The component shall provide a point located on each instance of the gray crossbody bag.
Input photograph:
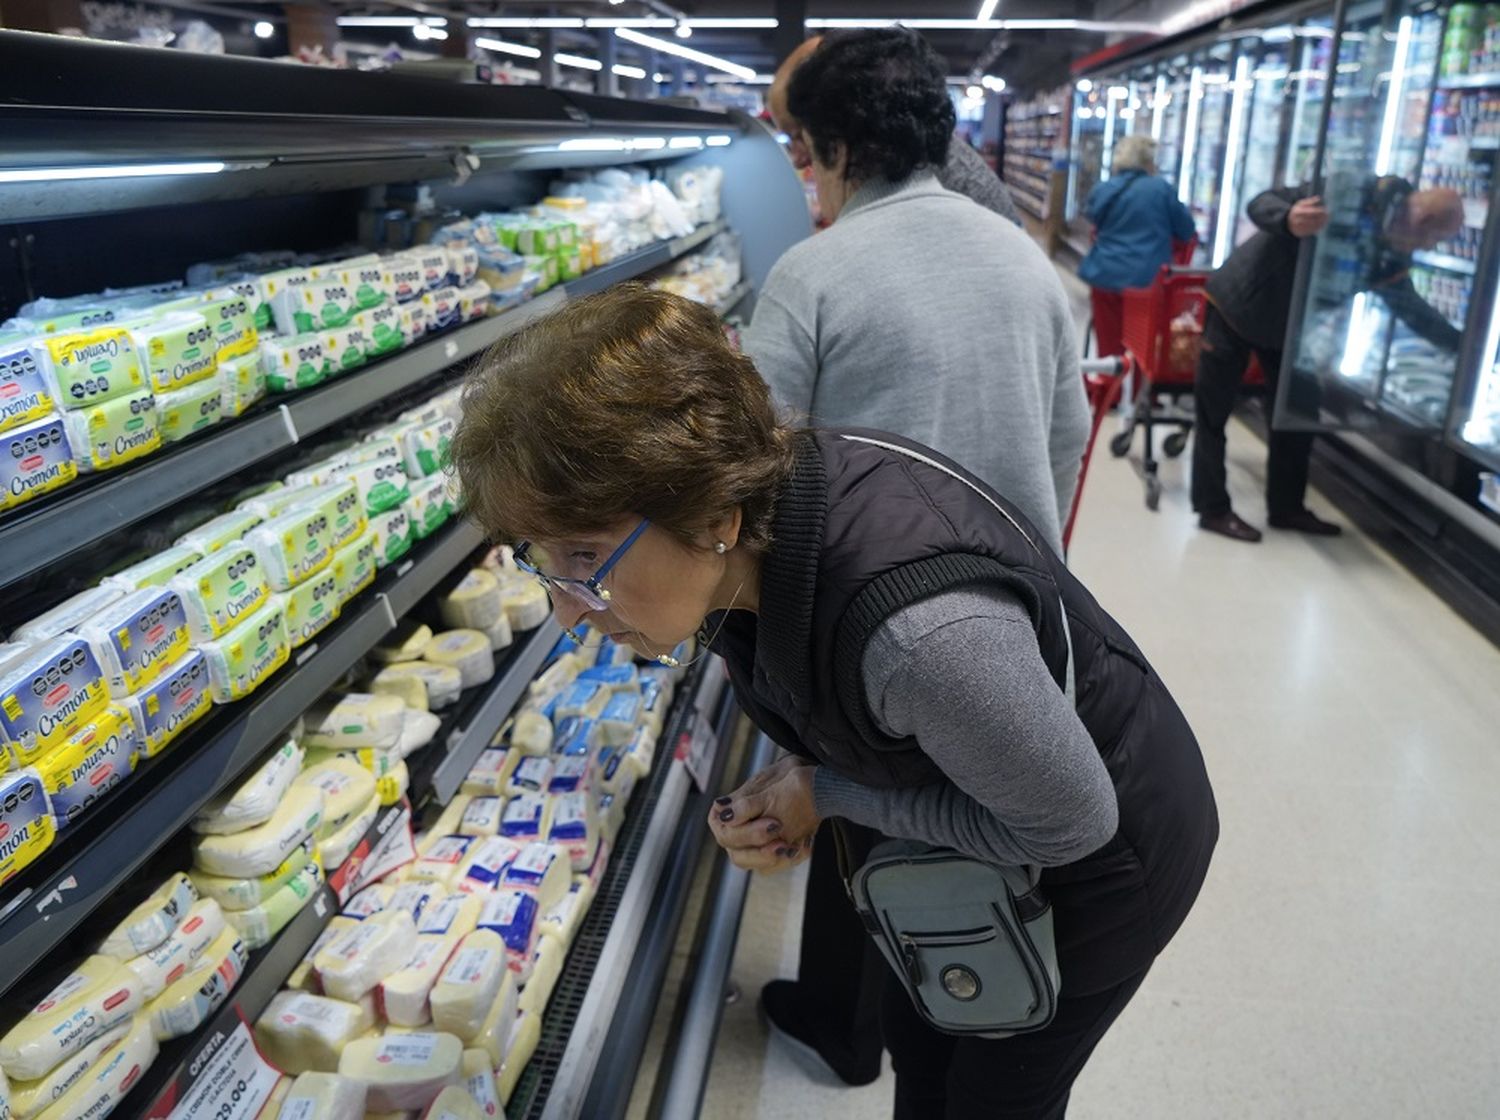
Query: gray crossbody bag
(972, 942)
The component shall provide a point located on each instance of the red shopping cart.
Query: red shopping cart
(1104, 382)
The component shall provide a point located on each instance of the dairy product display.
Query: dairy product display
(403, 1071)
(188, 1002)
(491, 772)
(106, 1082)
(323, 1096)
(111, 433)
(245, 656)
(185, 412)
(260, 849)
(28, 1098)
(338, 845)
(468, 651)
(163, 710)
(152, 921)
(96, 997)
(245, 894)
(406, 642)
(48, 694)
(352, 964)
(311, 607)
(475, 603)
(37, 458)
(300, 1031)
(98, 756)
(222, 589)
(135, 638)
(256, 799)
(259, 925)
(294, 545)
(441, 684)
(166, 963)
(355, 719)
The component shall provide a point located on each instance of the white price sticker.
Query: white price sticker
(232, 1083)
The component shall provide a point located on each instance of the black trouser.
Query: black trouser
(1025, 1077)
(1221, 369)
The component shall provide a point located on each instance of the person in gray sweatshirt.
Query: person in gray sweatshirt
(921, 313)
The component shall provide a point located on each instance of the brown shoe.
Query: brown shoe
(1305, 521)
(1230, 525)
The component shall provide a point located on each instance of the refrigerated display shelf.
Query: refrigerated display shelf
(100, 851)
(1469, 81)
(40, 534)
(1445, 262)
(1036, 186)
(1029, 203)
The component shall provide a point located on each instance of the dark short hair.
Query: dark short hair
(628, 402)
(883, 94)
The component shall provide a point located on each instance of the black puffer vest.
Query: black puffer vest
(870, 523)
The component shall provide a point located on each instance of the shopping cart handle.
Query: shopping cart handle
(1113, 366)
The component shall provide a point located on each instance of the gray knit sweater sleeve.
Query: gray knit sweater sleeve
(963, 674)
(967, 173)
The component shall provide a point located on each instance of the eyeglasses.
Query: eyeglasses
(590, 591)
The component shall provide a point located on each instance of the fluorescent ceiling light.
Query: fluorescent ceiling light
(686, 143)
(391, 21)
(752, 24)
(667, 46)
(658, 77)
(524, 21)
(992, 83)
(520, 50)
(987, 9)
(264, 29)
(624, 71)
(648, 143)
(592, 144)
(108, 171)
(577, 61)
(629, 21)
(422, 31)
(683, 31)
(719, 141)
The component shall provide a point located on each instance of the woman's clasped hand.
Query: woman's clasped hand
(769, 822)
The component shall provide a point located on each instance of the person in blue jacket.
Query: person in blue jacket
(1136, 218)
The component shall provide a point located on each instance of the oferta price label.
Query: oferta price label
(227, 1078)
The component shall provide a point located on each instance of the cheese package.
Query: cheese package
(97, 996)
(583, 699)
(109, 435)
(574, 827)
(347, 789)
(365, 278)
(260, 849)
(403, 994)
(443, 308)
(392, 787)
(259, 925)
(531, 733)
(613, 654)
(433, 261)
(573, 774)
(455, 915)
(294, 545)
(474, 604)
(255, 800)
(576, 738)
(24, 394)
(463, 263)
(479, 1079)
(659, 678)
(616, 678)
(526, 605)
(409, 688)
(186, 1004)
(454, 1103)
(525, 817)
(441, 683)
(491, 772)
(468, 651)
(323, 301)
(546, 970)
(351, 965)
(381, 483)
(354, 566)
(514, 916)
(68, 615)
(427, 505)
(135, 638)
(301, 1032)
(345, 507)
(184, 412)
(243, 658)
(28, 1098)
(641, 751)
(407, 642)
(217, 532)
(90, 366)
(242, 382)
(323, 1096)
(562, 920)
(372, 900)
(500, 634)
(354, 719)
(346, 346)
(379, 763)
(474, 300)
(393, 536)
(152, 922)
(26, 825)
(614, 774)
(417, 730)
(46, 696)
(415, 898)
(271, 1110)
(481, 817)
(97, 757)
(611, 816)
(37, 459)
(424, 447)
(543, 870)
(245, 894)
(175, 701)
(617, 723)
(525, 1036)
(274, 287)
(486, 864)
(109, 1079)
(402, 276)
(340, 844)
(441, 861)
(296, 361)
(467, 987)
(231, 316)
(403, 1071)
(532, 774)
(223, 588)
(447, 822)
(165, 964)
(311, 607)
(595, 874)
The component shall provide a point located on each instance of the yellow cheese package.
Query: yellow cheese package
(37, 458)
(231, 316)
(187, 1003)
(311, 607)
(474, 603)
(177, 348)
(454, 1103)
(479, 1079)
(154, 571)
(185, 412)
(403, 1071)
(48, 693)
(259, 925)
(89, 366)
(345, 508)
(24, 393)
(255, 798)
(115, 432)
(350, 966)
(297, 361)
(164, 965)
(392, 787)
(442, 682)
(152, 921)
(241, 660)
(242, 382)
(26, 825)
(217, 532)
(340, 844)
(354, 566)
(97, 757)
(111, 1077)
(354, 719)
(137, 637)
(172, 703)
(244, 894)
(468, 651)
(525, 1036)
(347, 789)
(28, 1098)
(261, 849)
(97, 996)
(294, 545)
(406, 687)
(299, 1031)
(379, 763)
(393, 535)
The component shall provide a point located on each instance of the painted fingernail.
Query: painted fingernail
(773, 828)
(727, 815)
(722, 800)
(786, 853)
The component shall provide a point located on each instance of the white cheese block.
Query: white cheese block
(302, 978)
(100, 1090)
(575, 773)
(514, 917)
(418, 728)
(243, 894)
(336, 849)
(500, 634)
(442, 859)
(354, 719)
(351, 965)
(481, 817)
(614, 774)
(467, 987)
(532, 774)
(618, 721)
(525, 1036)
(409, 688)
(166, 963)
(300, 1032)
(454, 1103)
(323, 1096)
(526, 817)
(491, 772)
(474, 604)
(574, 827)
(347, 789)
(262, 848)
(453, 915)
(526, 605)
(259, 925)
(192, 998)
(611, 816)
(641, 751)
(442, 682)
(97, 996)
(271, 1110)
(407, 642)
(468, 651)
(27, 1098)
(152, 922)
(546, 969)
(561, 922)
(584, 699)
(543, 870)
(531, 733)
(479, 1079)
(447, 822)
(372, 900)
(402, 996)
(403, 1071)
(485, 865)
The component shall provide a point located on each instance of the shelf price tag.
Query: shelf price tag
(227, 1078)
(696, 746)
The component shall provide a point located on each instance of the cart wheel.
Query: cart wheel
(1174, 444)
(1119, 445)
(1153, 492)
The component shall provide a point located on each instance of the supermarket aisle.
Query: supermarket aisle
(1340, 962)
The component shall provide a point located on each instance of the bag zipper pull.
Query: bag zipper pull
(909, 959)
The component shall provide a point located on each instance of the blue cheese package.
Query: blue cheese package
(24, 394)
(95, 759)
(137, 637)
(177, 699)
(512, 914)
(48, 694)
(26, 826)
(618, 722)
(34, 459)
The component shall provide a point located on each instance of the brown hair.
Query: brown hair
(626, 402)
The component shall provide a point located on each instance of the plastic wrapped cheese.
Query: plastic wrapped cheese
(187, 1003)
(351, 965)
(97, 757)
(48, 694)
(403, 994)
(243, 894)
(302, 978)
(574, 827)
(403, 1071)
(255, 800)
(134, 638)
(561, 922)
(219, 532)
(28, 1098)
(584, 699)
(242, 660)
(474, 604)
(339, 845)
(347, 789)
(611, 816)
(354, 719)
(467, 987)
(442, 683)
(393, 535)
(446, 823)
(407, 642)
(222, 589)
(201, 927)
(311, 607)
(442, 859)
(68, 615)
(525, 1036)
(354, 566)
(196, 408)
(415, 898)
(260, 849)
(576, 737)
(525, 817)
(409, 688)
(514, 916)
(151, 922)
(97, 996)
(526, 605)
(616, 678)
(481, 817)
(427, 505)
(542, 869)
(372, 900)
(641, 751)
(108, 1080)
(417, 730)
(546, 969)
(25, 817)
(485, 864)
(468, 651)
(242, 382)
(572, 773)
(259, 925)
(393, 786)
(271, 1110)
(106, 436)
(294, 545)
(316, 1095)
(531, 732)
(532, 774)
(169, 705)
(617, 723)
(301, 1032)
(613, 774)
(35, 459)
(554, 679)
(154, 571)
(479, 1079)
(491, 772)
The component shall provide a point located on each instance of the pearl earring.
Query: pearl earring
(720, 547)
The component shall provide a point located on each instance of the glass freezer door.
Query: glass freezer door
(1308, 85)
(1261, 76)
(1206, 142)
(1170, 100)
